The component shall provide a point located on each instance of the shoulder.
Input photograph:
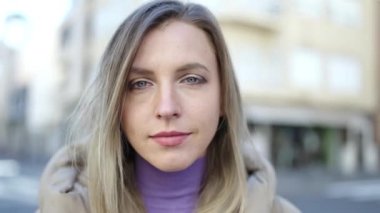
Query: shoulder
(262, 197)
(262, 186)
(63, 186)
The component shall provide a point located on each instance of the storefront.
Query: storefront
(295, 138)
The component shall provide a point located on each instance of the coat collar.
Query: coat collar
(64, 175)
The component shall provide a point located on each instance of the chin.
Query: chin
(173, 165)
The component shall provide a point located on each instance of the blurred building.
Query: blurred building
(377, 46)
(307, 70)
(13, 94)
(6, 58)
(83, 37)
(309, 75)
(32, 110)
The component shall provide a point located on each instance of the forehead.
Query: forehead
(175, 41)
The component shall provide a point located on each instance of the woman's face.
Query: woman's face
(172, 104)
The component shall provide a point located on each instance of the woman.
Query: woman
(161, 126)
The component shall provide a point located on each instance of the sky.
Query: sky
(37, 13)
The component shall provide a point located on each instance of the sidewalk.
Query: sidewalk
(19, 189)
(315, 190)
(315, 180)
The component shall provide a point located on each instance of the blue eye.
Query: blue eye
(193, 80)
(139, 84)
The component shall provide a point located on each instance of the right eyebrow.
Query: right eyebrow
(141, 71)
(191, 66)
(183, 68)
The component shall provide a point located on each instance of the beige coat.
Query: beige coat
(63, 188)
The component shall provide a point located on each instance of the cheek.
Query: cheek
(136, 116)
(128, 119)
(212, 103)
(208, 112)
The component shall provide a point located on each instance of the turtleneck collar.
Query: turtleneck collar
(169, 191)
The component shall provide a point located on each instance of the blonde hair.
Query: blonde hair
(110, 162)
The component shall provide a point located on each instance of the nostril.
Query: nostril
(168, 115)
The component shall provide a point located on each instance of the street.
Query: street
(314, 191)
(19, 185)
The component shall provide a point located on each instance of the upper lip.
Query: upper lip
(169, 134)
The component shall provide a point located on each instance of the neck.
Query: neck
(169, 191)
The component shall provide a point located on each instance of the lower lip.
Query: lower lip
(171, 140)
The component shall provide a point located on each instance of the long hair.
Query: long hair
(110, 162)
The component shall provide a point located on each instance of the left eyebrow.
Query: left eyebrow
(192, 66)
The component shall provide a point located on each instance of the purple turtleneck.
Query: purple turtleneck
(169, 192)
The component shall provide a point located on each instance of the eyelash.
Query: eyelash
(134, 85)
(198, 79)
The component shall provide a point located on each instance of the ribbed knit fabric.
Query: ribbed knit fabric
(169, 192)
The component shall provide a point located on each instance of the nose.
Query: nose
(168, 106)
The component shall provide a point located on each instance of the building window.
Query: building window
(2, 67)
(311, 8)
(306, 69)
(248, 62)
(66, 36)
(344, 75)
(272, 7)
(345, 12)
(257, 7)
(258, 69)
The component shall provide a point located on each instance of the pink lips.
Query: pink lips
(172, 138)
